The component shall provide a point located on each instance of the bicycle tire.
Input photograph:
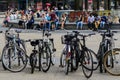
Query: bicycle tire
(74, 60)
(33, 62)
(67, 65)
(86, 56)
(46, 54)
(110, 65)
(51, 45)
(1, 57)
(100, 54)
(22, 56)
(62, 59)
(95, 60)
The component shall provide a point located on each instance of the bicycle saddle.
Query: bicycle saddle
(34, 43)
(18, 31)
(47, 34)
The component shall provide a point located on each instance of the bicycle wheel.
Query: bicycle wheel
(45, 59)
(14, 60)
(95, 60)
(74, 60)
(67, 66)
(62, 59)
(112, 61)
(1, 57)
(64, 62)
(33, 61)
(51, 45)
(100, 54)
(87, 64)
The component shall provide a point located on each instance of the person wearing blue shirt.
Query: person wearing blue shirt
(103, 21)
(30, 22)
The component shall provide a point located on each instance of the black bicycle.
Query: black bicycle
(104, 46)
(75, 52)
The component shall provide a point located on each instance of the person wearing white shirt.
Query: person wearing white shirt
(91, 19)
(11, 16)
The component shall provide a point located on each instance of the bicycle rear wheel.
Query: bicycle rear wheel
(14, 60)
(45, 59)
(95, 60)
(87, 64)
(74, 60)
(33, 61)
(112, 61)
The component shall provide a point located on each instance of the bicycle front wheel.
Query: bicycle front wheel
(45, 59)
(112, 61)
(14, 60)
(87, 63)
(33, 61)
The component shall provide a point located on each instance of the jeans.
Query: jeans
(102, 24)
(47, 25)
(79, 24)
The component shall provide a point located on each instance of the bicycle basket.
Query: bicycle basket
(66, 38)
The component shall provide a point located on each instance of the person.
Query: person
(79, 22)
(53, 19)
(42, 22)
(109, 19)
(116, 19)
(97, 22)
(12, 16)
(22, 22)
(90, 21)
(6, 20)
(63, 21)
(30, 21)
(103, 20)
(48, 21)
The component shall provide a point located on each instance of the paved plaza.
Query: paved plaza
(55, 72)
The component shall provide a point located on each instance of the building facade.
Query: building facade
(63, 4)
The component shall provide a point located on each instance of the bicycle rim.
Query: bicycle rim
(67, 67)
(62, 60)
(87, 64)
(14, 61)
(33, 61)
(112, 61)
(95, 60)
(74, 60)
(45, 59)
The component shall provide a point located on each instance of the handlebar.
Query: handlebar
(84, 35)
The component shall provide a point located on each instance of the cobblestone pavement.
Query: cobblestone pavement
(55, 72)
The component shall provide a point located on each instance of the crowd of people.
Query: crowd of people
(49, 19)
(96, 21)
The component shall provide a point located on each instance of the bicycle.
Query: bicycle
(75, 52)
(111, 57)
(104, 46)
(44, 53)
(13, 56)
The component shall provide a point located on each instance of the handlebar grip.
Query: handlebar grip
(1, 31)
